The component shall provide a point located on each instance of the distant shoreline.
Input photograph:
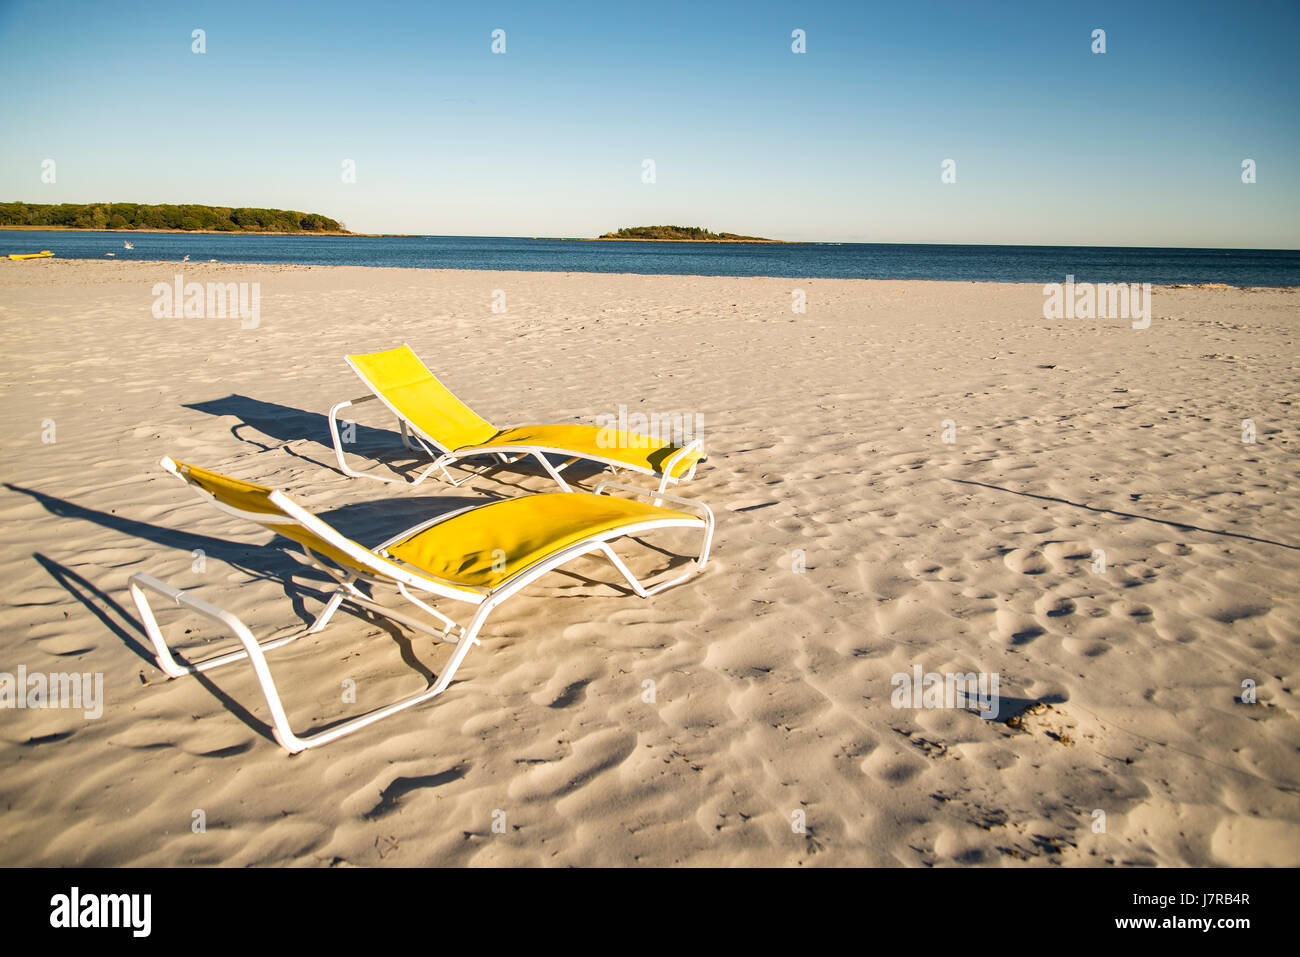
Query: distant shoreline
(268, 232)
(597, 239)
(201, 232)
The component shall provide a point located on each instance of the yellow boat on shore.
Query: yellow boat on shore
(43, 254)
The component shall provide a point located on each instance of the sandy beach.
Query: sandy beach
(907, 475)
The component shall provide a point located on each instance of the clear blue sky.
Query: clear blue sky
(1141, 145)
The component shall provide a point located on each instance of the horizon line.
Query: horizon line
(710, 242)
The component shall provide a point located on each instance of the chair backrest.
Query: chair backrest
(276, 511)
(407, 387)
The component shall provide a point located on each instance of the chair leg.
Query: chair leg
(338, 443)
(640, 589)
(328, 612)
(467, 641)
(167, 662)
(541, 457)
(626, 572)
(445, 460)
(425, 474)
(256, 655)
(162, 654)
(294, 743)
(405, 437)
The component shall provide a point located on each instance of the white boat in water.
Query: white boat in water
(128, 245)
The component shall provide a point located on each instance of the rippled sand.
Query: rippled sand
(853, 544)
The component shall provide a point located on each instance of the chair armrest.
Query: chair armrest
(696, 446)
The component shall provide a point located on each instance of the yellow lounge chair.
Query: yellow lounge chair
(480, 555)
(435, 417)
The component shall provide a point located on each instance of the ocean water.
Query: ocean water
(1037, 264)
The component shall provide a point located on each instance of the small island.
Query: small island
(682, 234)
(165, 218)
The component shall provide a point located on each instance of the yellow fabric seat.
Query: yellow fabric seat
(628, 448)
(248, 497)
(405, 385)
(489, 544)
(479, 548)
(410, 389)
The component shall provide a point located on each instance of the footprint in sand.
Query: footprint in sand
(890, 767)
(1055, 607)
(571, 695)
(1132, 610)
(1025, 562)
(1064, 554)
(1015, 628)
(922, 568)
(1084, 647)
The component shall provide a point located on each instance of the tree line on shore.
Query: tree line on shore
(697, 233)
(226, 219)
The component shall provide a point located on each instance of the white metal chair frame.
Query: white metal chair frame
(445, 456)
(388, 572)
